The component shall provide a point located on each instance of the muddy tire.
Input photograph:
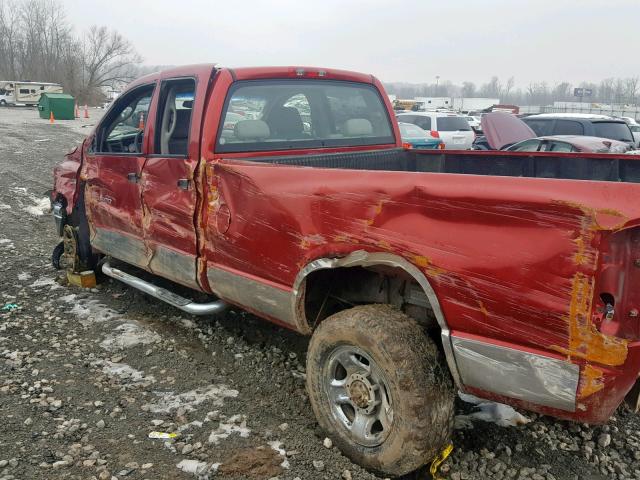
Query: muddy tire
(57, 255)
(380, 389)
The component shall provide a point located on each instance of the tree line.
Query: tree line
(38, 43)
(619, 91)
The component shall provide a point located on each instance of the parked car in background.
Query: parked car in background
(474, 123)
(570, 143)
(629, 120)
(635, 131)
(581, 124)
(453, 129)
(415, 137)
(504, 131)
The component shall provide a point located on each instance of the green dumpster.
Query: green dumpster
(61, 104)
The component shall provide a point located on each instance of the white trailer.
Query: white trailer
(463, 104)
(13, 92)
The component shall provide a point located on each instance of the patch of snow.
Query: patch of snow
(129, 335)
(498, 413)
(169, 401)
(4, 206)
(7, 243)
(124, 372)
(90, 311)
(236, 424)
(187, 323)
(40, 207)
(45, 282)
(277, 446)
(24, 276)
(199, 469)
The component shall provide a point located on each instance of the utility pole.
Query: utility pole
(437, 80)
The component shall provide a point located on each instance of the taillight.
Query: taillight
(441, 146)
(434, 134)
(408, 146)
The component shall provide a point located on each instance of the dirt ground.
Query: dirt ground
(87, 375)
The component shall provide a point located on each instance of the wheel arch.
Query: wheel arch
(362, 258)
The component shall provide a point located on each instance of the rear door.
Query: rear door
(111, 170)
(168, 189)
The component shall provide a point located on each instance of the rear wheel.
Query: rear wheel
(379, 387)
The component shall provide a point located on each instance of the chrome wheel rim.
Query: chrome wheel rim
(359, 395)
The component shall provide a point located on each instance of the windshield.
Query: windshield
(613, 130)
(452, 124)
(289, 114)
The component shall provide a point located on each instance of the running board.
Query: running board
(163, 294)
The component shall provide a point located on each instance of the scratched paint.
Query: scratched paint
(508, 260)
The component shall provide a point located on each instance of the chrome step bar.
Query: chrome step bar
(163, 294)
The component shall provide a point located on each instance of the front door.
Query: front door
(111, 170)
(168, 188)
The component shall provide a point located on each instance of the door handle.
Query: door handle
(133, 177)
(183, 184)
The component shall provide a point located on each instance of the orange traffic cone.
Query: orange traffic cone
(51, 118)
(76, 112)
(86, 111)
(141, 122)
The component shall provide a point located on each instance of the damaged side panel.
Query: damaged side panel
(514, 260)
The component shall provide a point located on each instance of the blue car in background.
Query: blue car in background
(415, 137)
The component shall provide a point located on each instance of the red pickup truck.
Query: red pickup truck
(286, 192)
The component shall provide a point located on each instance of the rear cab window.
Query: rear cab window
(283, 114)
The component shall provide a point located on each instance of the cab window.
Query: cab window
(123, 129)
(173, 121)
(289, 114)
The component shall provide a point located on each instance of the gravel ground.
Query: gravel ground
(86, 376)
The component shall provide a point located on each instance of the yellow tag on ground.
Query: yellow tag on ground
(163, 435)
(438, 461)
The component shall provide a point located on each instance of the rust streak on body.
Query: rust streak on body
(585, 341)
(590, 381)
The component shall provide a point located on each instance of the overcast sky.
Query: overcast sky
(412, 41)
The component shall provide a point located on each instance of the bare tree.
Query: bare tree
(492, 89)
(468, 89)
(106, 56)
(10, 39)
(507, 89)
(37, 43)
(561, 92)
(631, 89)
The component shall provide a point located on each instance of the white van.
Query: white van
(453, 129)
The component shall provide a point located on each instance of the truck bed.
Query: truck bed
(584, 166)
